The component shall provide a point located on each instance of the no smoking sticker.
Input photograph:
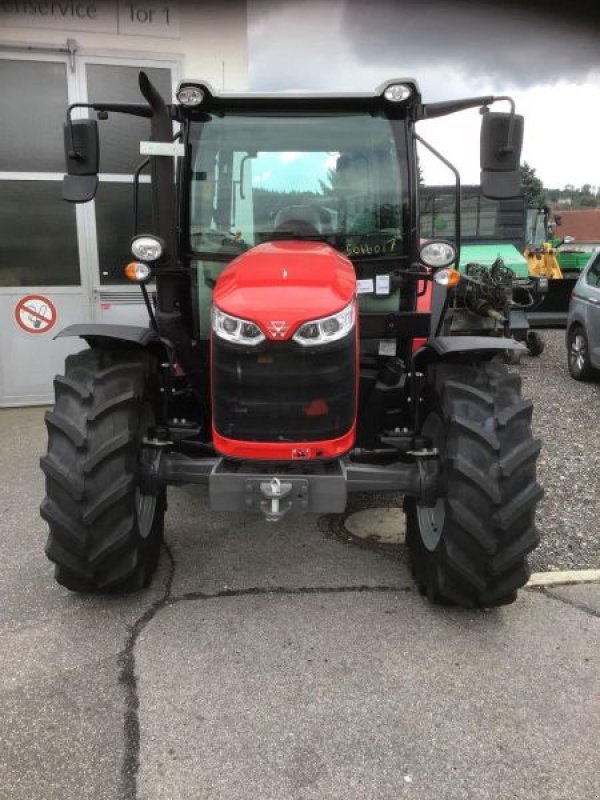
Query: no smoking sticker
(35, 314)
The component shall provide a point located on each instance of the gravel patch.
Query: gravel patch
(566, 418)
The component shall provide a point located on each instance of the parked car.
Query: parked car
(583, 325)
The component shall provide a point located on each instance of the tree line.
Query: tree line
(569, 197)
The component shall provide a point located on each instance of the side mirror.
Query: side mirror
(501, 143)
(81, 158)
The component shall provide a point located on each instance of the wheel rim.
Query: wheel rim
(578, 352)
(431, 523)
(145, 506)
(431, 518)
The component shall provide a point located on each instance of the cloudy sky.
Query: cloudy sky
(550, 64)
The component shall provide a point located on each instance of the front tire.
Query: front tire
(105, 529)
(470, 548)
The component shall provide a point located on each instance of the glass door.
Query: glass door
(42, 288)
(62, 263)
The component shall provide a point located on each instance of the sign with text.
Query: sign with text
(148, 19)
(124, 17)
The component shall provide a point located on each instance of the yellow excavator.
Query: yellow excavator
(544, 261)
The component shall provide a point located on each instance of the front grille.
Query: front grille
(283, 392)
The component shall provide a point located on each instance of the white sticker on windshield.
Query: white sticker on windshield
(382, 284)
(364, 286)
(387, 347)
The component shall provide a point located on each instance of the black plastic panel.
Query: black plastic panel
(283, 392)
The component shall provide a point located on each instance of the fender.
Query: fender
(103, 333)
(438, 347)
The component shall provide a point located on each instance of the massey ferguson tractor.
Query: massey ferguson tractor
(303, 342)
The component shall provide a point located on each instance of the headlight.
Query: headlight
(438, 254)
(190, 96)
(326, 329)
(147, 248)
(232, 329)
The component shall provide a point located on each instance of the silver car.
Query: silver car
(583, 325)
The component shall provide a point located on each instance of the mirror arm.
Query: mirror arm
(432, 110)
(134, 109)
(452, 168)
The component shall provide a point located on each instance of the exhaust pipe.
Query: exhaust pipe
(172, 279)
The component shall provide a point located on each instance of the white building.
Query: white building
(60, 263)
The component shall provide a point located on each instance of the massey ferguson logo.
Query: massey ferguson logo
(278, 327)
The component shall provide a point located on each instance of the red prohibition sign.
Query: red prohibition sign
(35, 314)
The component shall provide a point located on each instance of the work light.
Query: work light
(147, 248)
(397, 92)
(190, 96)
(437, 254)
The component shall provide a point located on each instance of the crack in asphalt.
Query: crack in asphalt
(285, 590)
(572, 603)
(127, 679)
(126, 659)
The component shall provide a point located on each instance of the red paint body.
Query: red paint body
(285, 451)
(289, 282)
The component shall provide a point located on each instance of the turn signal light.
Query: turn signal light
(136, 272)
(447, 277)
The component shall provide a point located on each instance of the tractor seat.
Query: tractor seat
(298, 220)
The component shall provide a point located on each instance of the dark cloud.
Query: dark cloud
(524, 44)
(484, 43)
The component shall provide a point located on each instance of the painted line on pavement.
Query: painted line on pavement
(565, 578)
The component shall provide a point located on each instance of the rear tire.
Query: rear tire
(470, 548)
(105, 530)
(578, 355)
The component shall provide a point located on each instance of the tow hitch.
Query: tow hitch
(275, 491)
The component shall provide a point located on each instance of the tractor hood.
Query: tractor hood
(486, 254)
(280, 285)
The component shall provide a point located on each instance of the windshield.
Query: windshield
(333, 178)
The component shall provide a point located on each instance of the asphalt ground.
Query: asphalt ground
(288, 662)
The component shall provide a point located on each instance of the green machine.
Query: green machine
(492, 240)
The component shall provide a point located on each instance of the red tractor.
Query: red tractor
(302, 344)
